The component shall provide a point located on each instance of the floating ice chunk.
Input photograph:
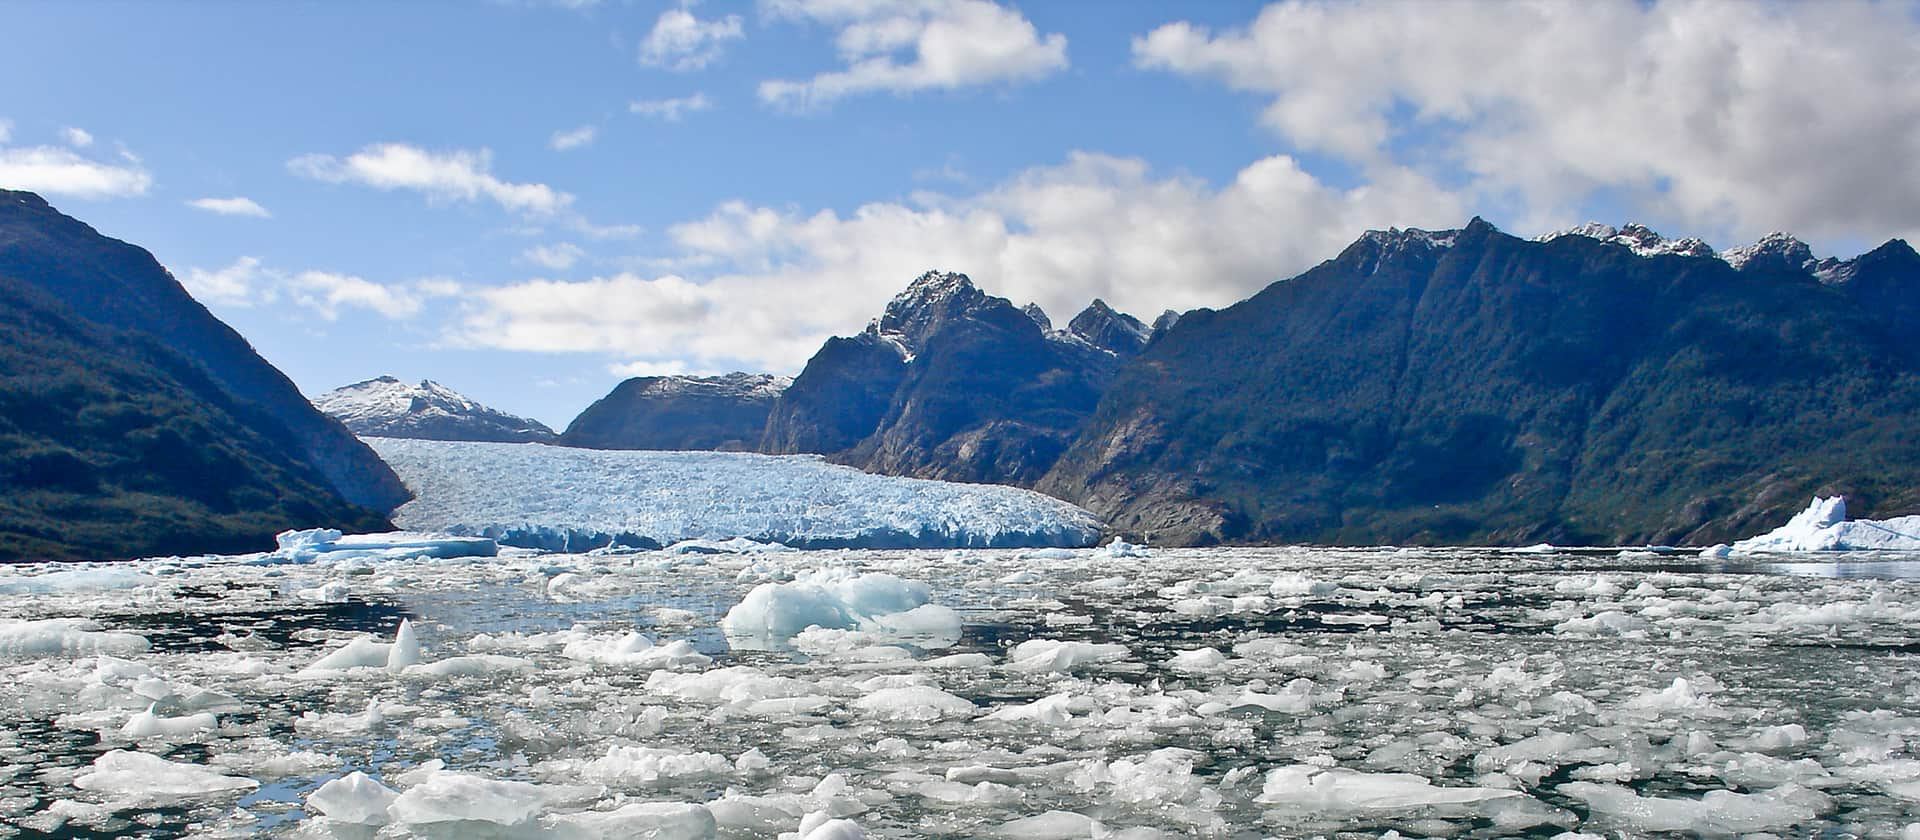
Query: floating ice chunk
(138, 775)
(638, 821)
(1162, 780)
(1296, 585)
(737, 545)
(838, 599)
(146, 724)
(960, 660)
(739, 683)
(976, 795)
(75, 581)
(354, 798)
(1121, 548)
(1052, 710)
(1715, 812)
(448, 797)
(914, 702)
(1040, 655)
(635, 650)
(1824, 526)
(1777, 738)
(1052, 825)
(472, 665)
(648, 766)
(1304, 787)
(818, 825)
(1607, 623)
(1717, 551)
(1681, 696)
(403, 651)
(341, 724)
(1048, 554)
(332, 592)
(1197, 661)
(326, 543)
(65, 637)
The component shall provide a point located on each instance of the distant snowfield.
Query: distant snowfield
(558, 498)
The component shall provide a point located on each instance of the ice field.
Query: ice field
(1229, 693)
(558, 498)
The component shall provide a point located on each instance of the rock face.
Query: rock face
(120, 287)
(954, 384)
(1467, 386)
(116, 441)
(387, 407)
(724, 413)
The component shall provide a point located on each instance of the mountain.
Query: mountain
(1468, 386)
(120, 287)
(387, 407)
(954, 384)
(113, 445)
(679, 413)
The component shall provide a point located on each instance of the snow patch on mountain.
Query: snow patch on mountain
(1642, 240)
(386, 407)
(574, 499)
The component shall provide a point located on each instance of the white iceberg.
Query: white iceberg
(143, 776)
(326, 543)
(564, 499)
(1824, 526)
(837, 599)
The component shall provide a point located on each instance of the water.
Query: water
(1622, 693)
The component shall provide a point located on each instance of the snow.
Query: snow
(387, 406)
(1640, 239)
(549, 497)
(1824, 526)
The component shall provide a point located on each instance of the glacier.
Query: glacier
(555, 498)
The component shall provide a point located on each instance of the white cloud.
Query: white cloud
(248, 282)
(671, 110)
(56, 171)
(457, 175)
(777, 281)
(681, 42)
(574, 139)
(235, 206)
(240, 284)
(326, 293)
(76, 137)
(1726, 116)
(558, 257)
(668, 367)
(902, 46)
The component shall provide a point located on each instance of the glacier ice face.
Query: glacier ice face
(556, 498)
(1824, 526)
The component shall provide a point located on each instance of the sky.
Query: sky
(529, 201)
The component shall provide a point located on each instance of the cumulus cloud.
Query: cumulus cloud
(564, 140)
(903, 46)
(669, 367)
(76, 137)
(681, 42)
(1723, 115)
(557, 257)
(457, 175)
(240, 284)
(56, 171)
(670, 110)
(249, 282)
(776, 281)
(235, 206)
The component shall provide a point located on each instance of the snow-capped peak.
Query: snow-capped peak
(1405, 236)
(1784, 247)
(1639, 238)
(931, 298)
(386, 406)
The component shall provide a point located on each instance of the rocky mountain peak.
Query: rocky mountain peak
(387, 407)
(1642, 240)
(1777, 250)
(1038, 315)
(931, 298)
(1115, 332)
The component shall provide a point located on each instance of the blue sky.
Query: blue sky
(528, 201)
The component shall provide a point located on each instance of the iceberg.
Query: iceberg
(1824, 526)
(562, 499)
(313, 544)
(876, 603)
